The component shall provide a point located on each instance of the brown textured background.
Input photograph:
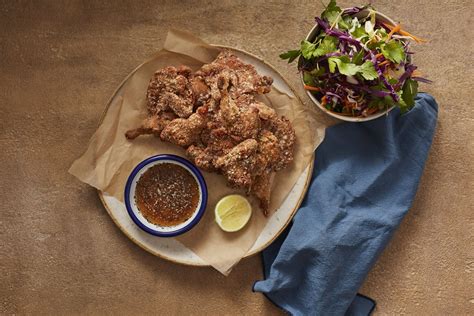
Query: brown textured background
(62, 254)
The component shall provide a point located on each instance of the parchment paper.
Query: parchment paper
(110, 157)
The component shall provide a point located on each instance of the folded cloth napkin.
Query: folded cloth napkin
(364, 180)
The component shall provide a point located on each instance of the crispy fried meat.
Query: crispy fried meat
(213, 113)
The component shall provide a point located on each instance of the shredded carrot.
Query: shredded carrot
(310, 88)
(323, 101)
(394, 30)
(372, 110)
(417, 39)
(387, 26)
(384, 62)
(404, 33)
(378, 55)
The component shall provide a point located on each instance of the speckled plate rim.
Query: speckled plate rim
(254, 251)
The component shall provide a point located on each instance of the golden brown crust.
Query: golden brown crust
(184, 132)
(239, 163)
(262, 188)
(213, 113)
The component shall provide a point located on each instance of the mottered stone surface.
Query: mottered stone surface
(60, 253)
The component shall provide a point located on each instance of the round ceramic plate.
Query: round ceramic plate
(173, 250)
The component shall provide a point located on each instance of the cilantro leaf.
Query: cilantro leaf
(328, 45)
(403, 106)
(343, 64)
(382, 33)
(332, 64)
(345, 23)
(331, 12)
(388, 102)
(308, 78)
(318, 71)
(359, 32)
(410, 88)
(358, 58)
(367, 70)
(392, 81)
(332, 6)
(393, 51)
(290, 55)
(348, 69)
(307, 49)
(373, 45)
(375, 102)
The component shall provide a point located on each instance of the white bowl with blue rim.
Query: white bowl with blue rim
(136, 215)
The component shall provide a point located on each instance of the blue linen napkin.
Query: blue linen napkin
(364, 180)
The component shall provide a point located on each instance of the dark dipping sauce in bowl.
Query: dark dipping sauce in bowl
(167, 194)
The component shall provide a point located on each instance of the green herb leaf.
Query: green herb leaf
(343, 64)
(393, 51)
(403, 106)
(410, 88)
(367, 70)
(359, 32)
(373, 45)
(290, 55)
(392, 81)
(359, 57)
(307, 49)
(318, 71)
(308, 78)
(382, 33)
(345, 23)
(328, 45)
(375, 102)
(388, 102)
(331, 12)
(332, 64)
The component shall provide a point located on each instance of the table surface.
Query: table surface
(60, 251)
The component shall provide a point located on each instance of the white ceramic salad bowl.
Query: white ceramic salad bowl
(310, 37)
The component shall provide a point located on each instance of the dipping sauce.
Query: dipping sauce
(167, 194)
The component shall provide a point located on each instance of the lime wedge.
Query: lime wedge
(233, 212)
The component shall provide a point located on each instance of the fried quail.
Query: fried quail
(184, 132)
(214, 114)
(238, 164)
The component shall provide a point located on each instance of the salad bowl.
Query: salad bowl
(315, 30)
(356, 64)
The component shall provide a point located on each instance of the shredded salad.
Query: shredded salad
(358, 66)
